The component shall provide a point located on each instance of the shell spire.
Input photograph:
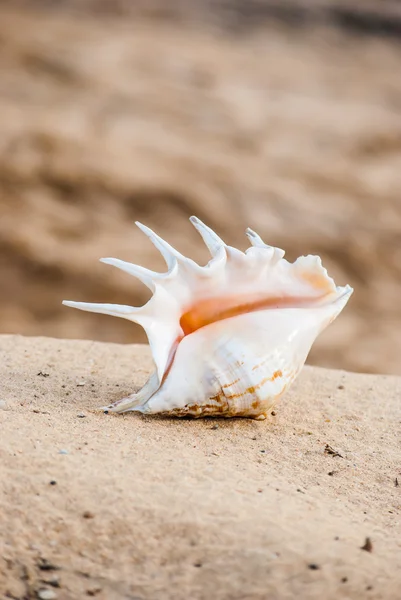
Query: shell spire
(253, 304)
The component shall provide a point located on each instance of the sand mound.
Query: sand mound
(147, 508)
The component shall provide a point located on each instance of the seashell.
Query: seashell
(228, 338)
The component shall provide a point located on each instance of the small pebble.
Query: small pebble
(45, 565)
(54, 581)
(88, 515)
(368, 546)
(45, 594)
(80, 383)
(63, 451)
(3, 405)
(53, 482)
(215, 426)
(81, 415)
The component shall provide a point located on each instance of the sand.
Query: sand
(133, 507)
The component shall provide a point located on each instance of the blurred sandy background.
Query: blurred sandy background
(285, 117)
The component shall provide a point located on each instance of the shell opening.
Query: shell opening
(206, 312)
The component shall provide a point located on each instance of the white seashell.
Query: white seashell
(228, 338)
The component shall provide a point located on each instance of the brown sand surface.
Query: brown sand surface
(131, 507)
(104, 121)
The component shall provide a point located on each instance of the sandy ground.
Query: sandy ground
(128, 507)
(104, 121)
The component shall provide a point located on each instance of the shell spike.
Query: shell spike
(257, 242)
(115, 310)
(213, 242)
(255, 239)
(135, 401)
(147, 276)
(170, 254)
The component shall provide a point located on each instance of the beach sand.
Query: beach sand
(131, 507)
